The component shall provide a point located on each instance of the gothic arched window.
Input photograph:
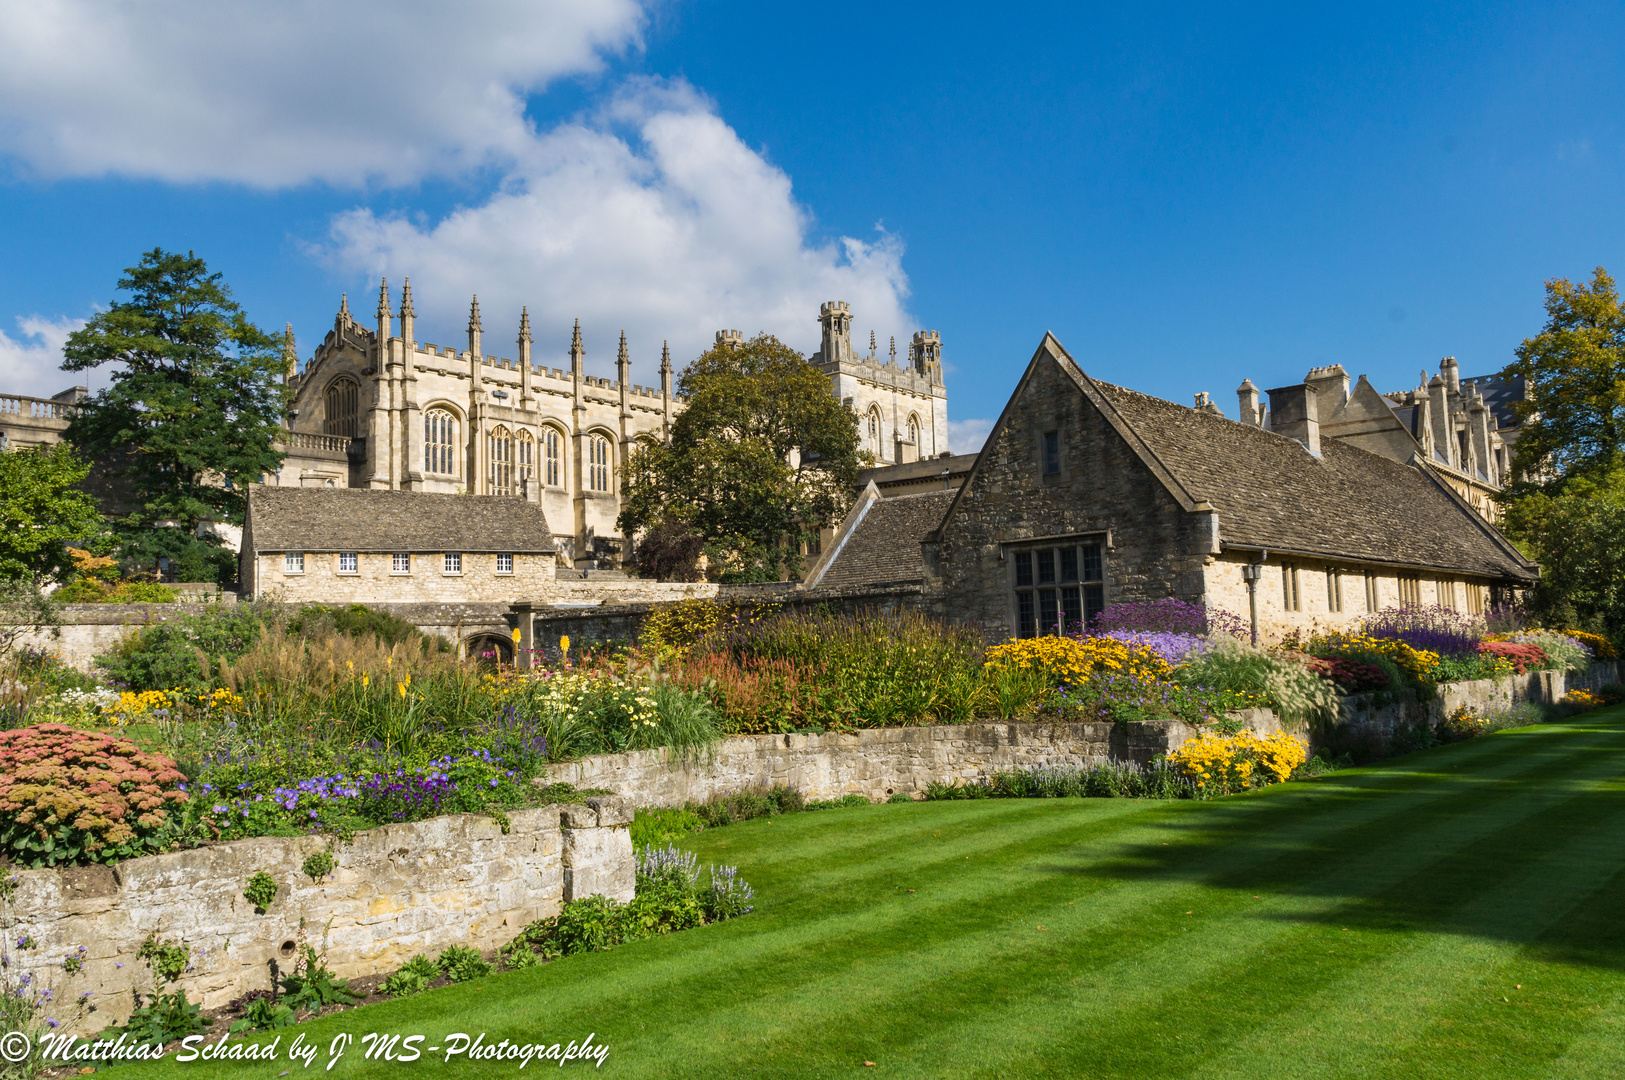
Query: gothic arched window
(914, 430)
(525, 455)
(343, 408)
(598, 463)
(874, 431)
(501, 443)
(553, 459)
(439, 441)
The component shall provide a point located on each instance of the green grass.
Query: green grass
(1375, 923)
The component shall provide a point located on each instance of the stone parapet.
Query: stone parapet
(397, 891)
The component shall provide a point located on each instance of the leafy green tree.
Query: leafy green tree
(1574, 379)
(42, 510)
(1576, 535)
(193, 412)
(761, 457)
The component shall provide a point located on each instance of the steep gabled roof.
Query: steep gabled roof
(883, 544)
(360, 519)
(1271, 493)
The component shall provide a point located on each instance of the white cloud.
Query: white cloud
(33, 361)
(967, 436)
(271, 94)
(652, 217)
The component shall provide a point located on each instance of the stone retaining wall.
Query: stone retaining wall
(397, 891)
(876, 762)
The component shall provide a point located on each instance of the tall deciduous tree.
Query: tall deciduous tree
(1574, 379)
(761, 457)
(42, 510)
(192, 414)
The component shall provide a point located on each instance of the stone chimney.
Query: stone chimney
(1293, 414)
(1444, 443)
(1247, 394)
(1331, 386)
(1451, 373)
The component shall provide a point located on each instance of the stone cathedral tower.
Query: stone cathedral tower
(902, 410)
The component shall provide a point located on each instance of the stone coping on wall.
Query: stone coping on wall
(397, 891)
(877, 762)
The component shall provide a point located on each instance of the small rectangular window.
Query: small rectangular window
(293, 562)
(1291, 599)
(1046, 567)
(1373, 595)
(400, 563)
(1044, 609)
(1447, 594)
(1410, 590)
(1091, 563)
(1052, 453)
(1334, 590)
(505, 563)
(1024, 569)
(347, 562)
(1069, 564)
(454, 562)
(1026, 617)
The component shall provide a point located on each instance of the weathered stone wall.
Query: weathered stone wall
(876, 762)
(1157, 549)
(427, 581)
(397, 891)
(1362, 719)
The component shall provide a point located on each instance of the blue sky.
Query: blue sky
(1185, 196)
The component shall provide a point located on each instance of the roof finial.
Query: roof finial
(383, 298)
(344, 306)
(620, 356)
(894, 348)
(406, 301)
(871, 344)
(665, 358)
(524, 324)
(575, 335)
(474, 314)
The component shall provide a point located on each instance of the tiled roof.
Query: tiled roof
(1499, 394)
(1271, 493)
(884, 546)
(361, 519)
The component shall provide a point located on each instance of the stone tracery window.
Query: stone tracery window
(501, 458)
(874, 432)
(525, 458)
(439, 439)
(343, 408)
(552, 458)
(914, 429)
(598, 463)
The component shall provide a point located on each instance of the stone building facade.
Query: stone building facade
(1087, 494)
(377, 408)
(27, 422)
(902, 409)
(359, 545)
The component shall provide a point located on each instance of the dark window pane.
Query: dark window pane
(1069, 564)
(1094, 600)
(1046, 567)
(1091, 563)
(1052, 453)
(1071, 613)
(1024, 615)
(1047, 614)
(1024, 568)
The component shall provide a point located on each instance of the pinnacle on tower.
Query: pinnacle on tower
(406, 301)
(474, 314)
(665, 358)
(383, 299)
(894, 348)
(290, 355)
(575, 336)
(871, 344)
(620, 355)
(524, 324)
(344, 306)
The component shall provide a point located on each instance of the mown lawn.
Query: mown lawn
(1458, 912)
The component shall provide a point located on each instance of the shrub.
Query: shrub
(1564, 652)
(71, 796)
(90, 590)
(261, 891)
(1601, 648)
(459, 963)
(312, 986)
(661, 826)
(264, 1014)
(1352, 676)
(166, 654)
(1221, 764)
(841, 803)
(1440, 630)
(414, 977)
(1581, 700)
(1099, 779)
(318, 865)
(676, 628)
(745, 805)
(729, 896)
(899, 797)
(1521, 656)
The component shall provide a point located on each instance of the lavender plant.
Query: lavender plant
(1435, 629)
